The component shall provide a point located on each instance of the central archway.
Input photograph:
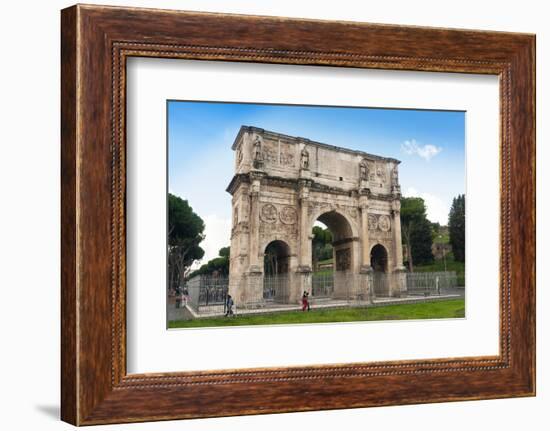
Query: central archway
(276, 271)
(338, 225)
(337, 283)
(379, 264)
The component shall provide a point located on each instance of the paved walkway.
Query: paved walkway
(182, 313)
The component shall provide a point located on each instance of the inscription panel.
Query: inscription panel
(287, 157)
(271, 153)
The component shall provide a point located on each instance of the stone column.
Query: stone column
(305, 229)
(254, 223)
(365, 273)
(253, 290)
(365, 243)
(399, 285)
(301, 280)
(396, 213)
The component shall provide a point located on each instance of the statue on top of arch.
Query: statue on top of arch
(257, 152)
(395, 188)
(305, 159)
(364, 170)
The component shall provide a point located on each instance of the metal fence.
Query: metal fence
(379, 283)
(206, 291)
(208, 294)
(416, 283)
(276, 288)
(430, 283)
(322, 285)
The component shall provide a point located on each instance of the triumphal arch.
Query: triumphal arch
(282, 186)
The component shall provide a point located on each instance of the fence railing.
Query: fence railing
(430, 283)
(209, 293)
(322, 285)
(276, 288)
(379, 283)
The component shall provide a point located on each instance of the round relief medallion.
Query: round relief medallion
(269, 213)
(288, 215)
(384, 223)
(373, 223)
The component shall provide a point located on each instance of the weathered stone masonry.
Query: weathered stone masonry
(283, 184)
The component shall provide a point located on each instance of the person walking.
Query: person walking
(305, 302)
(229, 306)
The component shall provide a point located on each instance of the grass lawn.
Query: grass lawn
(424, 310)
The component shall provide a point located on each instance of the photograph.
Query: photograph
(298, 214)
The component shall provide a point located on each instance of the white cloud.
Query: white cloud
(427, 151)
(218, 235)
(436, 209)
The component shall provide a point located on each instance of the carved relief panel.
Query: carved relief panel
(268, 213)
(384, 223)
(287, 155)
(271, 153)
(278, 154)
(378, 175)
(380, 226)
(288, 215)
(381, 222)
(279, 221)
(343, 259)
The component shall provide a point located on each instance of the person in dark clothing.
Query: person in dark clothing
(229, 306)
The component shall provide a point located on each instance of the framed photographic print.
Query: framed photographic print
(272, 205)
(329, 219)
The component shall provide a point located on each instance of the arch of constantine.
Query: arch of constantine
(282, 186)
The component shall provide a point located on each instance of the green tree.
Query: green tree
(416, 232)
(457, 225)
(218, 265)
(185, 233)
(321, 245)
(436, 229)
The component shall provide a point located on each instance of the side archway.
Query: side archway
(276, 271)
(379, 264)
(276, 258)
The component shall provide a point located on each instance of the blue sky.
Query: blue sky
(430, 145)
